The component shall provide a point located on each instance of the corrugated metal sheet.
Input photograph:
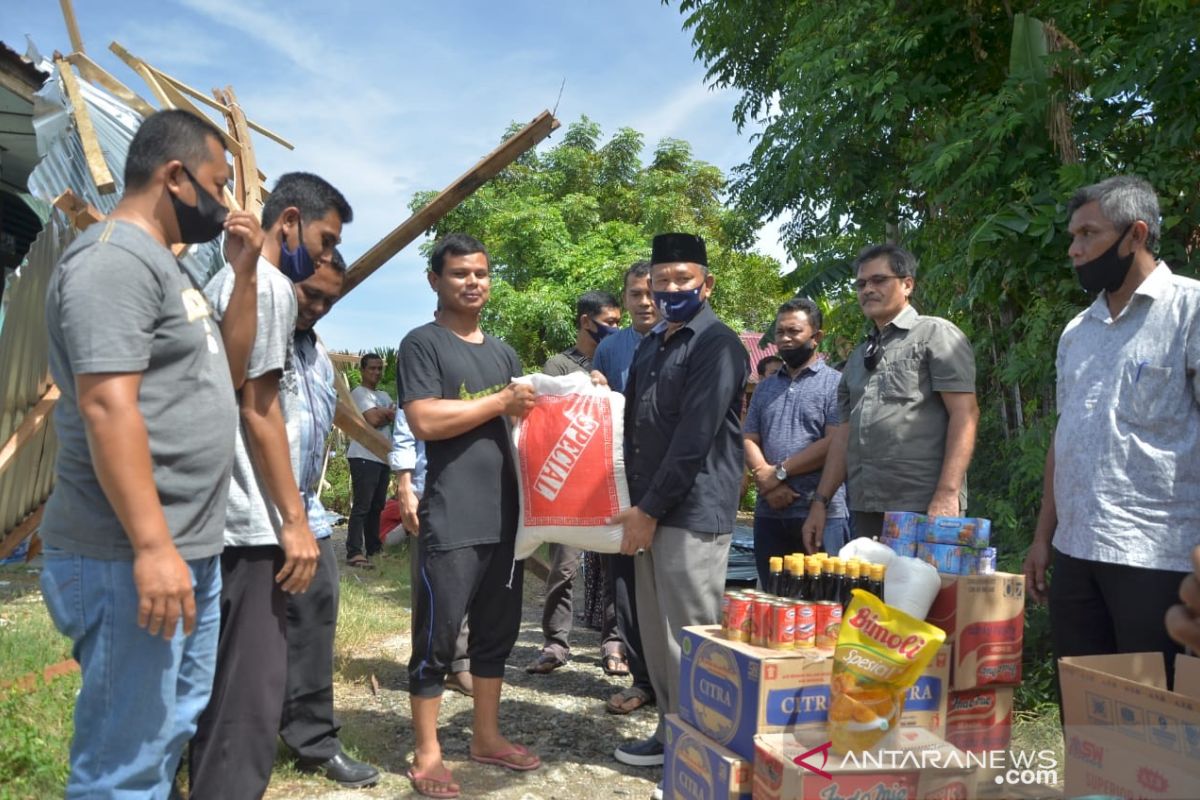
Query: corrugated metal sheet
(751, 339)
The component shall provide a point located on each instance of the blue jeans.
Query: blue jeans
(141, 694)
(779, 537)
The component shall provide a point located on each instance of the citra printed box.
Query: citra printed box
(984, 617)
(697, 768)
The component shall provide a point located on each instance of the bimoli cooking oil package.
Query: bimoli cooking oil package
(881, 651)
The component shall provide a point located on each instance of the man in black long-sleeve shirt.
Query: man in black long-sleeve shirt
(684, 464)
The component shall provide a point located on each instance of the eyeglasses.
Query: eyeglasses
(875, 280)
(873, 350)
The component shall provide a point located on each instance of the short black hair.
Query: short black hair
(165, 136)
(455, 244)
(593, 302)
(312, 194)
(903, 263)
(807, 307)
(640, 269)
(362, 362)
(761, 368)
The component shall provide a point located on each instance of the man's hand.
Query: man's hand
(1183, 621)
(780, 497)
(300, 557)
(812, 533)
(408, 510)
(164, 587)
(639, 528)
(243, 241)
(517, 399)
(1037, 560)
(598, 378)
(764, 479)
(944, 503)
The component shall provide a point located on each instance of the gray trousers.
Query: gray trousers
(679, 582)
(461, 662)
(557, 612)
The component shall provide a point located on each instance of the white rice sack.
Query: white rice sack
(570, 465)
(868, 550)
(911, 586)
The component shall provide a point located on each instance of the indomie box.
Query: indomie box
(912, 764)
(980, 720)
(971, 532)
(697, 768)
(984, 616)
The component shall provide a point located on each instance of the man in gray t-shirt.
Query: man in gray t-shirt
(270, 551)
(145, 429)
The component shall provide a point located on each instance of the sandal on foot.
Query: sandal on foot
(442, 783)
(619, 702)
(614, 664)
(545, 664)
(362, 562)
(505, 759)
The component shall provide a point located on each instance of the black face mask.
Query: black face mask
(799, 356)
(1108, 270)
(202, 222)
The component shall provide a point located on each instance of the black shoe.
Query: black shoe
(646, 753)
(345, 771)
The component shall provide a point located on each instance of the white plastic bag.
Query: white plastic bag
(911, 586)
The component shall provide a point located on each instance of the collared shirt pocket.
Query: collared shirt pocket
(1147, 400)
(901, 380)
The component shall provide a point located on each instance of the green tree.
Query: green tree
(960, 128)
(574, 218)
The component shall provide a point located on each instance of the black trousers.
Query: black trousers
(234, 748)
(308, 725)
(620, 575)
(481, 581)
(369, 482)
(1098, 608)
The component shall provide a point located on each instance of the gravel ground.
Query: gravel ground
(560, 716)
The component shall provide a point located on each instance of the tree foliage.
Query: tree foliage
(960, 128)
(574, 218)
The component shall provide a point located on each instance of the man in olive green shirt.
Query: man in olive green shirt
(907, 402)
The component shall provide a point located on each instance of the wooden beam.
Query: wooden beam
(96, 164)
(249, 187)
(72, 25)
(351, 421)
(100, 77)
(22, 530)
(451, 196)
(79, 213)
(218, 106)
(30, 425)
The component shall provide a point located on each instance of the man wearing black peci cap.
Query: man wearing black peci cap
(684, 463)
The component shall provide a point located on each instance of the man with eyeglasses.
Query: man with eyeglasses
(908, 394)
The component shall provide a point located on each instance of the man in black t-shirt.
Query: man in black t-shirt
(458, 398)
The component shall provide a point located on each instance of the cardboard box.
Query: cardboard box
(905, 526)
(984, 616)
(1124, 733)
(731, 691)
(909, 764)
(973, 532)
(901, 547)
(697, 768)
(980, 720)
(949, 559)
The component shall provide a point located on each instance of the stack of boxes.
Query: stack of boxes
(953, 545)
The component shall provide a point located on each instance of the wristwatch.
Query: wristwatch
(820, 498)
(780, 472)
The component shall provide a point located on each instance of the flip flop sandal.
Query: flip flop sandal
(441, 783)
(545, 664)
(614, 664)
(625, 696)
(505, 759)
(359, 561)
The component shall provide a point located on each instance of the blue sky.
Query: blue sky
(388, 98)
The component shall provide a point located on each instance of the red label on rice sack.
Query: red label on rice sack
(566, 460)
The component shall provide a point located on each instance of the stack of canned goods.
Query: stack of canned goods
(765, 620)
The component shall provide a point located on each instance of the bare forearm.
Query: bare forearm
(960, 444)
(376, 417)
(266, 438)
(435, 419)
(1047, 520)
(810, 459)
(834, 472)
(754, 454)
(239, 324)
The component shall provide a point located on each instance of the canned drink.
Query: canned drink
(806, 625)
(760, 616)
(735, 617)
(782, 632)
(829, 624)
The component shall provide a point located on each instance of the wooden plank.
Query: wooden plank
(30, 425)
(18, 87)
(68, 12)
(450, 197)
(349, 419)
(96, 164)
(79, 213)
(251, 189)
(101, 78)
(219, 106)
(22, 530)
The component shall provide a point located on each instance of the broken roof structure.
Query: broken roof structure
(67, 127)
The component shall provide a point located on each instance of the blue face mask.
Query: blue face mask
(678, 306)
(296, 264)
(601, 331)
